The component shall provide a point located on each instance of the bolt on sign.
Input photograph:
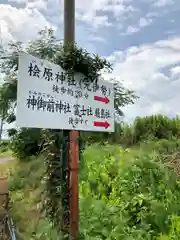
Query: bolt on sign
(49, 97)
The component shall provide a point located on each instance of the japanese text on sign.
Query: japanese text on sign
(49, 97)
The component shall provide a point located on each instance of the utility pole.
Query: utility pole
(2, 117)
(72, 137)
(69, 21)
(1, 127)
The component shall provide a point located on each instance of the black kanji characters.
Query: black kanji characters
(60, 77)
(78, 94)
(70, 79)
(107, 114)
(85, 84)
(67, 108)
(97, 113)
(55, 88)
(70, 92)
(50, 105)
(77, 110)
(71, 121)
(33, 70)
(59, 106)
(104, 90)
(95, 86)
(102, 113)
(89, 111)
(63, 90)
(41, 104)
(74, 121)
(81, 111)
(63, 107)
(36, 103)
(32, 102)
(48, 74)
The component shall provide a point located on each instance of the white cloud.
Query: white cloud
(175, 72)
(5, 33)
(38, 4)
(131, 30)
(20, 24)
(141, 69)
(174, 44)
(91, 12)
(163, 3)
(95, 14)
(142, 22)
(18, 1)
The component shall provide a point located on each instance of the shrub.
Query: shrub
(123, 195)
(26, 143)
(155, 127)
(4, 146)
(122, 199)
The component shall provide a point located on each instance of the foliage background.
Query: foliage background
(125, 193)
(128, 180)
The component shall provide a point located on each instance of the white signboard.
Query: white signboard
(48, 97)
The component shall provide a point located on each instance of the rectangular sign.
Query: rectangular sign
(49, 97)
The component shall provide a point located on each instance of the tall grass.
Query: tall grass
(124, 194)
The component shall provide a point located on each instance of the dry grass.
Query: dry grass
(6, 168)
(6, 154)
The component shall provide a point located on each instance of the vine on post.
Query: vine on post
(75, 60)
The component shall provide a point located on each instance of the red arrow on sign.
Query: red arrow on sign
(102, 124)
(101, 99)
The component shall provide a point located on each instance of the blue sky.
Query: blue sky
(140, 37)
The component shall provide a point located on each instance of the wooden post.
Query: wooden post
(73, 185)
(69, 37)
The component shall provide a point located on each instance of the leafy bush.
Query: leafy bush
(129, 194)
(26, 143)
(4, 146)
(122, 199)
(124, 194)
(153, 127)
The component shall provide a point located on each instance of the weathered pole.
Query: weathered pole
(72, 136)
(1, 127)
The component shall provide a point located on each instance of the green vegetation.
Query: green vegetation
(131, 194)
(124, 193)
(5, 149)
(28, 142)
(128, 180)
